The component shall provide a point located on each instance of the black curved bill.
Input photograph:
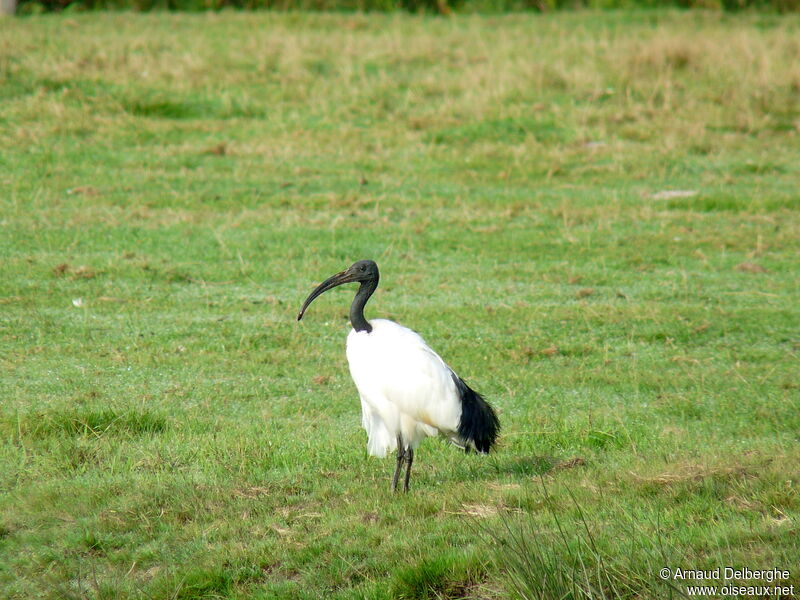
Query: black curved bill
(329, 283)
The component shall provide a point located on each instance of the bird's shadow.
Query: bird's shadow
(524, 466)
(530, 466)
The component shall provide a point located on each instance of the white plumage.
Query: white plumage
(407, 391)
(405, 387)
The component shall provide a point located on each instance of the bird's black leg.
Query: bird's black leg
(409, 460)
(401, 454)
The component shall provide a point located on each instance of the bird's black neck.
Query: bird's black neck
(357, 307)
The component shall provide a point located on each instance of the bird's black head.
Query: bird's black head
(364, 272)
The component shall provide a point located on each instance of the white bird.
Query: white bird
(407, 391)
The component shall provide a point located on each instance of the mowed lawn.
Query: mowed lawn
(594, 218)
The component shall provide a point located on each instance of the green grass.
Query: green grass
(173, 186)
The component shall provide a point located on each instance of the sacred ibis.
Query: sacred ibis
(407, 391)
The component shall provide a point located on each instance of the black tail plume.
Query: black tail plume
(479, 424)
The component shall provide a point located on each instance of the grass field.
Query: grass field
(594, 218)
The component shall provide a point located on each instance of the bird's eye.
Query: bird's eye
(363, 268)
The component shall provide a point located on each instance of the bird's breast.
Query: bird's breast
(392, 364)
